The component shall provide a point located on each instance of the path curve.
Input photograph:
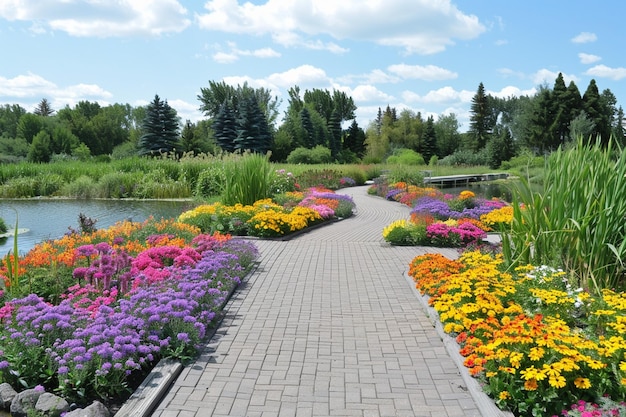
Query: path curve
(326, 326)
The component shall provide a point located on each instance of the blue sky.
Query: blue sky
(425, 55)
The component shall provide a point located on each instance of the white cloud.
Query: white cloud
(588, 58)
(508, 72)
(234, 53)
(607, 72)
(512, 91)
(442, 95)
(100, 18)
(368, 93)
(418, 26)
(186, 111)
(585, 37)
(36, 87)
(545, 76)
(303, 76)
(426, 73)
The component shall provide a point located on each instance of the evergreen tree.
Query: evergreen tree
(189, 141)
(379, 120)
(500, 147)
(334, 129)
(561, 111)
(252, 130)
(429, 144)
(160, 129)
(225, 127)
(354, 140)
(43, 108)
(596, 112)
(307, 126)
(479, 128)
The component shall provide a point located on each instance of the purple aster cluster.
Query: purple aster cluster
(440, 209)
(98, 335)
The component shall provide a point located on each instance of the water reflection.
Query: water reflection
(50, 219)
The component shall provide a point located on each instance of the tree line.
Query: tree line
(243, 118)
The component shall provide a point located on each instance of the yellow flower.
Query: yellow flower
(533, 373)
(530, 385)
(504, 395)
(582, 383)
(557, 381)
(515, 359)
(536, 353)
(464, 195)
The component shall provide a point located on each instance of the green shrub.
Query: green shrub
(406, 157)
(3, 226)
(210, 181)
(357, 174)
(403, 173)
(48, 184)
(118, 184)
(466, 157)
(83, 187)
(317, 155)
(19, 187)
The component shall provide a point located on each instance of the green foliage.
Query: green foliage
(404, 173)
(575, 223)
(410, 235)
(210, 181)
(246, 179)
(405, 157)
(40, 148)
(466, 157)
(118, 184)
(83, 187)
(3, 226)
(318, 155)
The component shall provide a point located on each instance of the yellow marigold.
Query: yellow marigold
(466, 194)
(504, 395)
(501, 216)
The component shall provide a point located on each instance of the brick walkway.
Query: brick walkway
(327, 326)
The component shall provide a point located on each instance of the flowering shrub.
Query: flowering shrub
(140, 292)
(536, 342)
(282, 182)
(267, 218)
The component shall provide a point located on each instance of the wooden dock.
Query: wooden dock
(461, 180)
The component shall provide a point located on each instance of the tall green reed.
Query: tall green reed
(578, 222)
(246, 179)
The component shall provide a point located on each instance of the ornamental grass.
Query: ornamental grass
(536, 342)
(93, 312)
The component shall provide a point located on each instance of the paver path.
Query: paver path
(327, 326)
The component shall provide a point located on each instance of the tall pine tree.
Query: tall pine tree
(160, 129)
(479, 128)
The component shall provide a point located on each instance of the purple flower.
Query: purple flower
(183, 337)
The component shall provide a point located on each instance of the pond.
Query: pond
(51, 218)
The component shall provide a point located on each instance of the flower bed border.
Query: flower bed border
(485, 404)
(158, 382)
